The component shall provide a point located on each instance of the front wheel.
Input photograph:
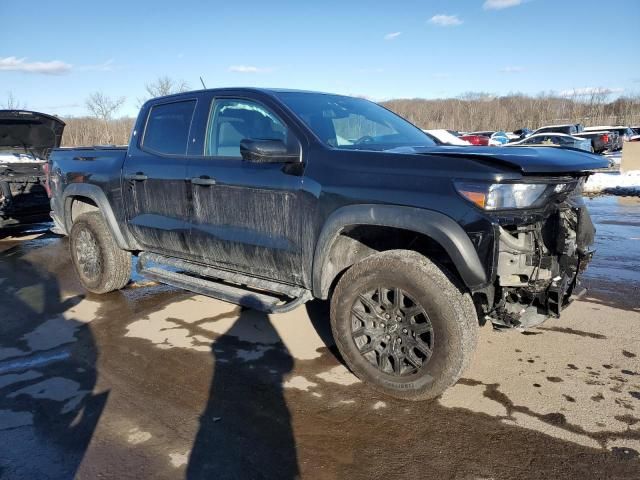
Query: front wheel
(402, 325)
(100, 264)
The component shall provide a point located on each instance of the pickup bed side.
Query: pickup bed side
(88, 179)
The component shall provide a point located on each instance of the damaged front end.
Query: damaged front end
(539, 256)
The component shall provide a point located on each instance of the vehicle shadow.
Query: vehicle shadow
(318, 312)
(48, 408)
(245, 430)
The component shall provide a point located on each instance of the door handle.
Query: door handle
(136, 177)
(203, 180)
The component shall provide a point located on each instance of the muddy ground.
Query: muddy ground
(153, 382)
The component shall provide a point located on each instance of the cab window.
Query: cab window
(232, 121)
(167, 129)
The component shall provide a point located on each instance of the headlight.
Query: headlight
(502, 196)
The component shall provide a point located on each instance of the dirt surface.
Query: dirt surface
(153, 382)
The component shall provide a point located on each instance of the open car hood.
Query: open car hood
(30, 132)
(529, 160)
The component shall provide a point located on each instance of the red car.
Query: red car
(476, 139)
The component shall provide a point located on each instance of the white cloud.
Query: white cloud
(500, 4)
(392, 36)
(585, 91)
(249, 69)
(445, 20)
(15, 64)
(512, 69)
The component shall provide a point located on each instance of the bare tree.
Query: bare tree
(163, 86)
(103, 107)
(480, 111)
(12, 103)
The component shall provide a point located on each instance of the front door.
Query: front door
(246, 216)
(155, 188)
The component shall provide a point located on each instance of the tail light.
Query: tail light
(476, 140)
(605, 138)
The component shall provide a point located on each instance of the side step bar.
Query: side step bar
(272, 297)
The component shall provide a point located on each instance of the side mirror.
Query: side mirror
(267, 151)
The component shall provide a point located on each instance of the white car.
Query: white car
(446, 137)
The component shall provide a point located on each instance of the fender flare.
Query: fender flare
(94, 193)
(441, 228)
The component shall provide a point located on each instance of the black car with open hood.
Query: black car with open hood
(26, 139)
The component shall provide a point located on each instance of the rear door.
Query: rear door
(156, 192)
(246, 216)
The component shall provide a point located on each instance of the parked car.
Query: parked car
(493, 138)
(555, 140)
(475, 139)
(601, 141)
(567, 128)
(624, 133)
(519, 134)
(26, 139)
(294, 195)
(446, 138)
(500, 137)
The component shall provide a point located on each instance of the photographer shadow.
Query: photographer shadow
(245, 430)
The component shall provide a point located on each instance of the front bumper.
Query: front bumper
(539, 264)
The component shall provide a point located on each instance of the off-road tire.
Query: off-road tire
(449, 309)
(110, 265)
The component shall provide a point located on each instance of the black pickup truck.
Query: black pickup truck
(269, 198)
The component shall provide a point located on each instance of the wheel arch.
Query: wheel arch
(336, 251)
(79, 198)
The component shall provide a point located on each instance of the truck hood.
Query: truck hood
(529, 160)
(30, 132)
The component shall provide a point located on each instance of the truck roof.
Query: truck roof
(269, 91)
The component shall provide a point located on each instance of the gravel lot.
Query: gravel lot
(154, 382)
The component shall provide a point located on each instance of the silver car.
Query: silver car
(554, 140)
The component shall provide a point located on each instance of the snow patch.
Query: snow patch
(627, 183)
(19, 158)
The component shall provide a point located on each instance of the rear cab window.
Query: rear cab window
(167, 128)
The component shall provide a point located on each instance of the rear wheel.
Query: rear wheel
(402, 325)
(100, 264)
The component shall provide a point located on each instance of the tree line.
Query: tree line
(476, 112)
(469, 112)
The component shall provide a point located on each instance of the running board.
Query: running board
(273, 297)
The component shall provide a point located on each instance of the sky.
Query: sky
(54, 54)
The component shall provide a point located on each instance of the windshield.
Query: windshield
(353, 123)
